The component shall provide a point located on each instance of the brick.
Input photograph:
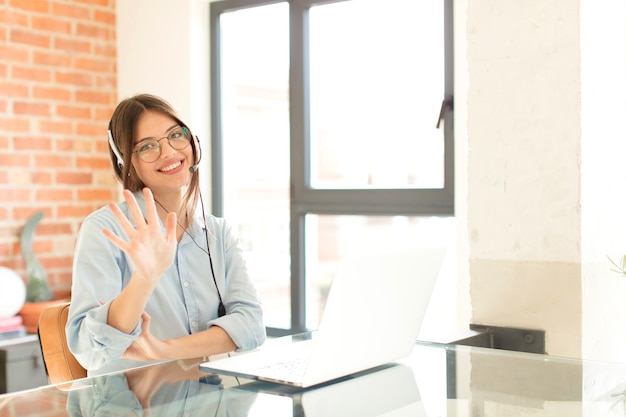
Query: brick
(51, 24)
(73, 178)
(74, 144)
(104, 16)
(31, 74)
(106, 178)
(23, 213)
(32, 143)
(4, 247)
(56, 262)
(14, 160)
(12, 18)
(103, 162)
(41, 6)
(47, 126)
(94, 64)
(19, 177)
(53, 228)
(29, 177)
(52, 59)
(13, 89)
(104, 115)
(72, 45)
(94, 31)
(64, 283)
(73, 211)
(94, 2)
(70, 10)
(52, 93)
(14, 53)
(90, 129)
(95, 194)
(52, 161)
(31, 109)
(11, 124)
(39, 177)
(15, 194)
(39, 245)
(54, 194)
(108, 50)
(73, 112)
(73, 78)
(29, 38)
(92, 97)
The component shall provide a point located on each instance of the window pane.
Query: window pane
(255, 140)
(376, 86)
(331, 238)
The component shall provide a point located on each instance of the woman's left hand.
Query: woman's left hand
(146, 347)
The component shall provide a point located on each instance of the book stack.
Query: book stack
(11, 327)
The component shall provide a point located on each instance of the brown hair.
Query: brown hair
(122, 128)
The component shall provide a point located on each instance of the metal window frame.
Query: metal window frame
(304, 199)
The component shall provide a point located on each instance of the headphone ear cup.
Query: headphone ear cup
(116, 151)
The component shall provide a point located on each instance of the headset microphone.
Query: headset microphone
(195, 166)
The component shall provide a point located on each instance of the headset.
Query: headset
(221, 309)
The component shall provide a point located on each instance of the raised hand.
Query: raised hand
(150, 252)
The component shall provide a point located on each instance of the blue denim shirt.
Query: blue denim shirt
(185, 300)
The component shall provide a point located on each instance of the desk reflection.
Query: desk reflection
(180, 388)
(365, 394)
(435, 380)
(173, 388)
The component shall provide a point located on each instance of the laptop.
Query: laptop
(373, 315)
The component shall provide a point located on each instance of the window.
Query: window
(329, 136)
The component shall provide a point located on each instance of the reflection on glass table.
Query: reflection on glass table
(435, 380)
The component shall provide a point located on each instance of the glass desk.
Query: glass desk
(435, 380)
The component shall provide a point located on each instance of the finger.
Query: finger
(145, 325)
(135, 211)
(151, 211)
(121, 219)
(115, 239)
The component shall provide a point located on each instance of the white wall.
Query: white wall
(545, 138)
(603, 200)
(163, 49)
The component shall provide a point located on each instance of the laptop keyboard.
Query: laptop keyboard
(294, 366)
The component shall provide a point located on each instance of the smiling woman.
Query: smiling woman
(150, 273)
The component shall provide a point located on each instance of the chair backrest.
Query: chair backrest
(60, 363)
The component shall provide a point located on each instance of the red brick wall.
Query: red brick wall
(57, 92)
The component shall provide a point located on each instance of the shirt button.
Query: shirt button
(186, 284)
(194, 324)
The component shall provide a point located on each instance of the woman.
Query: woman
(155, 277)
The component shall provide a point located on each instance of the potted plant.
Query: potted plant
(38, 294)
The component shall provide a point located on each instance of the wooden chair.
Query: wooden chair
(60, 363)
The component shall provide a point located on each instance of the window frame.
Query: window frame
(303, 198)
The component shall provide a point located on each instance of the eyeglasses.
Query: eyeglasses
(150, 150)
